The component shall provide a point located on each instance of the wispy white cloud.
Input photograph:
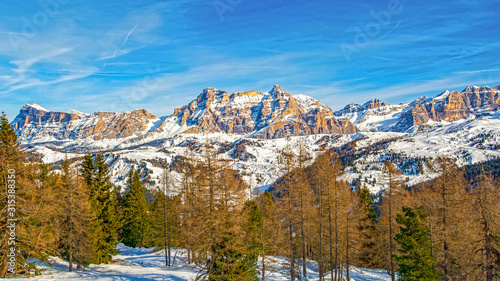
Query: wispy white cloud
(18, 74)
(28, 83)
(128, 35)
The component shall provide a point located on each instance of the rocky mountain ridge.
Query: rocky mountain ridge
(423, 113)
(35, 124)
(453, 106)
(267, 115)
(270, 115)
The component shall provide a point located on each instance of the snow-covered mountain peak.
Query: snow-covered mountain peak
(443, 95)
(76, 112)
(479, 90)
(374, 103)
(36, 106)
(261, 120)
(277, 90)
(271, 114)
(309, 103)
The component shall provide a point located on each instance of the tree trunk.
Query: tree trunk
(331, 237)
(391, 249)
(347, 250)
(292, 258)
(489, 263)
(71, 230)
(263, 261)
(70, 258)
(320, 259)
(445, 242)
(302, 234)
(167, 258)
(169, 233)
(337, 266)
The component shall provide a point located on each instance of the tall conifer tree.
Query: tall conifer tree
(367, 227)
(415, 254)
(137, 221)
(105, 221)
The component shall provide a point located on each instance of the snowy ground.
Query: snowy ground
(143, 264)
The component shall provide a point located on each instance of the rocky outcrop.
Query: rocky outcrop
(268, 115)
(373, 104)
(452, 106)
(34, 123)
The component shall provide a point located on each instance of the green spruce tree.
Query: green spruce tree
(253, 227)
(367, 229)
(415, 258)
(137, 221)
(105, 220)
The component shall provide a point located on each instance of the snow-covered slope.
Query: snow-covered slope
(145, 264)
(466, 141)
(373, 116)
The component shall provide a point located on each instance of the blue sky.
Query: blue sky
(122, 55)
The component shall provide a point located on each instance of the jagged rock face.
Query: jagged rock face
(35, 124)
(375, 103)
(453, 106)
(274, 114)
(356, 108)
(269, 115)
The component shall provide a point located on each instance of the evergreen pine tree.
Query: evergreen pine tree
(392, 202)
(415, 255)
(137, 221)
(165, 216)
(253, 228)
(367, 229)
(105, 220)
(366, 202)
(450, 216)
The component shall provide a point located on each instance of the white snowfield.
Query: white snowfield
(144, 264)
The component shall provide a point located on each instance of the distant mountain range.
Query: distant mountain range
(424, 112)
(249, 128)
(267, 115)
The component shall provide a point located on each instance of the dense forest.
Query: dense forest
(444, 229)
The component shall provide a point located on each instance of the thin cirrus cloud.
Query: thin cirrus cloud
(158, 55)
